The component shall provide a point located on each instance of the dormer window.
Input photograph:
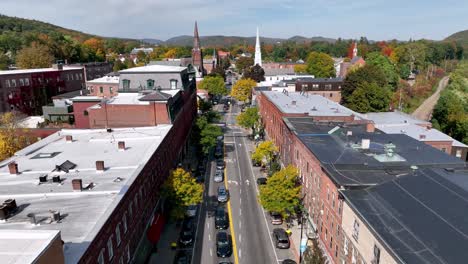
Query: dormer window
(173, 84)
(150, 84)
(126, 84)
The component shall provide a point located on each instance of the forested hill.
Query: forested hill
(461, 38)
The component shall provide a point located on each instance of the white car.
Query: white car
(219, 176)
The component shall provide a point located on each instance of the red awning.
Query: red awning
(155, 230)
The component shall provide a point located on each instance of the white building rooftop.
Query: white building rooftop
(83, 213)
(396, 117)
(30, 121)
(65, 68)
(154, 68)
(314, 105)
(24, 246)
(105, 80)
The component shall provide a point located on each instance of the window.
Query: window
(326, 233)
(77, 77)
(117, 234)
(444, 149)
(150, 84)
(356, 230)
(8, 84)
(331, 242)
(68, 77)
(110, 90)
(333, 200)
(328, 86)
(459, 153)
(85, 113)
(124, 221)
(331, 95)
(110, 248)
(130, 208)
(376, 259)
(13, 83)
(328, 193)
(26, 81)
(71, 76)
(81, 76)
(336, 251)
(121, 260)
(101, 89)
(315, 86)
(345, 246)
(173, 84)
(21, 81)
(101, 257)
(126, 84)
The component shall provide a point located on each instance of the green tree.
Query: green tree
(365, 74)
(248, 119)
(243, 63)
(207, 134)
(369, 97)
(313, 255)
(36, 56)
(4, 62)
(321, 65)
(300, 68)
(242, 89)
(181, 190)
(389, 70)
(214, 85)
(255, 73)
(282, 192)
(118, 66)
(265, 152)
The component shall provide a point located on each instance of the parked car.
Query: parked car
(221, 218)
(191, 210)
(276, 218)
(220, 138)
(187, 235)
(261, 181)
(219, 152)
(280, 238)
(182, 257)
(219, 176)
(223, 194)
(219, 164)
(289, 261)
(223, 245)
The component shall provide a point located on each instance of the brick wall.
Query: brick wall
(81, 114)
(108, 90)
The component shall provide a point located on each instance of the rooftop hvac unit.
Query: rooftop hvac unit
(55, 215)
(10, 205)
(43, 179)
(56, 179)
(3, 212)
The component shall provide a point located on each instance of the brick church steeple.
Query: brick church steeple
(197, 55)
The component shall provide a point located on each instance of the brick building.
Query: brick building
(106, 86)
(326, 87)
(94, 70)
(28, 90)
(100, 188)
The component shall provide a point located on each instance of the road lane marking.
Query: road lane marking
(240, 238)
(240, 224)
(240, 253)
(240, 212)
(240, 200)
(231, 224)
(211, 252)
(208, 224)
(209, 237)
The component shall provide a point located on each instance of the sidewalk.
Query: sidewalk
(164, 253)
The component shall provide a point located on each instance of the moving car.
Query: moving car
(261, 181)
(223, 245)
(276, 218)
(219, 164)
(280, 238)
(221, 218)
(223, 194)
(219, 176)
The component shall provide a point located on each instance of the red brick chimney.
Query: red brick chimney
(370, 128)
(13, 167)
(77, 184)
(100, 165)
(121, 145)
(69, 138)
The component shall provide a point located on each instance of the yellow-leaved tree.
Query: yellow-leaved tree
(242, 90)
(12, 137)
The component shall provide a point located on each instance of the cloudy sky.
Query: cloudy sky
(375, 19)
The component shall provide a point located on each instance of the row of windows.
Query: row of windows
(346, 245)
(149, 84)
(101, 90)
(26, 82)
(13, 83)
(76, 76)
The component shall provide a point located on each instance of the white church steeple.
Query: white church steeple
(258, 52)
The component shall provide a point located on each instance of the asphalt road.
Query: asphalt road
(250, 225)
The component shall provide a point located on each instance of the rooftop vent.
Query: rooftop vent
(69, 138)
(56, 179)
(77, 184)
(13, 167)
(32, 218)
(121, 145)
(43, 179)
(100, 165)
(313, 108)
(109, 130)
(66, 166)
(422, 136)
(293, 102)
(10, 205)
(55, 215)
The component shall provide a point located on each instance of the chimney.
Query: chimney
(100, 165)
(121, 145)
(13, 167)
(422, 136)
(77, 184)
(370, 128)
(293, 102)
(69, 138)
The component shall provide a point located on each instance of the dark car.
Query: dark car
(288, 261)
(219, 164)
(261, 181)
(187, 233)
(221, 218)
(219, 152)
(280, 238)
(223, 245)
(182, 257)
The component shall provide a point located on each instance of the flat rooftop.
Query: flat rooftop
(39, 70)
(421, 217)
(83, 213)
(312, 104)
(394, 118)
(24, 246)
(154, 68)
(342, 152)
(106, 80)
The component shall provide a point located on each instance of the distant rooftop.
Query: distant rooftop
(83, 213)
(142, 98)
(396, 117)
(421, 217)
(320, 80)
(354, 157)
(39, 70)
(106, 79)
(154, 68)
(278, 71)
(314, 105)
(24, 246)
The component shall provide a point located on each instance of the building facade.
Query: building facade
(326, 87)
(106, 86)
(94, 70)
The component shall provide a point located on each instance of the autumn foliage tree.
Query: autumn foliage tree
(181, 190)
(214, 85)
(264, 152)
(10, 139)
(320, 65)
(36, 56)
(242, 89)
